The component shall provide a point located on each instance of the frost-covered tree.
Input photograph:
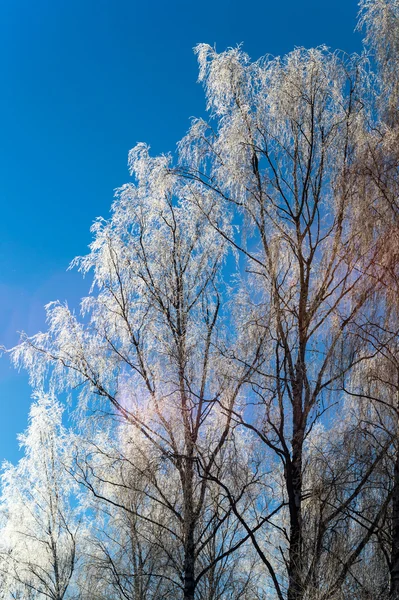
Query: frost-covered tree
(151, 344)
(276, 157)
(39, 536)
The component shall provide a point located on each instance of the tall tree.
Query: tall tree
(148, 344)
(276, 157)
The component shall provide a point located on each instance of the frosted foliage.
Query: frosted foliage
(380, 21)
(278, 154)
(39, 532)
(155, 268)
(225, 77)
(269, 107)
(285, 135)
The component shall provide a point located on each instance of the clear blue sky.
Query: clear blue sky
(82, 81)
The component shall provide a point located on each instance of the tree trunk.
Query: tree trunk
(394, 567)
(394, 595)
(189, 564)
(294, 489)
(189, 531)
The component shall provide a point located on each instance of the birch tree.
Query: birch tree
(276, 155)
(147, 345)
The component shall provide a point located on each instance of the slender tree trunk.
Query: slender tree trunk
(189, 526)
(394, 567)
(189, 536)
(294, 488)
(394, 574)
(189, 564)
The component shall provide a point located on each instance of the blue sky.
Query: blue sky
(82, 81)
